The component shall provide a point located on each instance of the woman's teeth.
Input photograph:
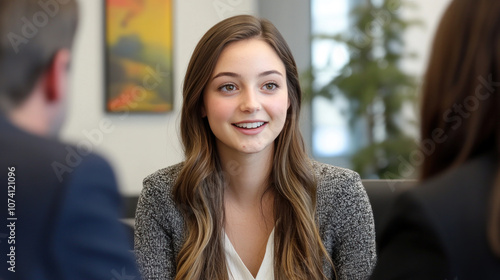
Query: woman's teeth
(249, 125)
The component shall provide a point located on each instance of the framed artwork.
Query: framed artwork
(138, 56)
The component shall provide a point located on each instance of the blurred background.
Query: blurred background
(361, 64)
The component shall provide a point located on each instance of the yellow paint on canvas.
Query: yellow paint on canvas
(151, 21)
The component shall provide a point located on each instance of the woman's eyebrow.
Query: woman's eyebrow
(270, 72)
(229, 74)
(235, 75)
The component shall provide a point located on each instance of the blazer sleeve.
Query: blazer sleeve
(355, 249)
(89, 241)
(410, 246)
(153, 241)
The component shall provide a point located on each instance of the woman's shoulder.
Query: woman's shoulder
(163, 178)
(157, 215)
(345, 220)
(157, 187)
(339, 185)
(328, 176)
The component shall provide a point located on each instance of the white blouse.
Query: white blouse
(237, 269)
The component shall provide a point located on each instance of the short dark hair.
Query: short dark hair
(31, 32)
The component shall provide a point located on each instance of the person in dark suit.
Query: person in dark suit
(449, 227)
(59, 203)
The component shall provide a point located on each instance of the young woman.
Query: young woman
(247, 202)
(449, 227)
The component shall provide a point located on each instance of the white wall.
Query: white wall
(136, 145)
(419, 39)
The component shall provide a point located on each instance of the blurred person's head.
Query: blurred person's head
(36, 37)
(462, 86)
(460, 115)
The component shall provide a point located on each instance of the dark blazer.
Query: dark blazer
(438, 230)
(64, 207)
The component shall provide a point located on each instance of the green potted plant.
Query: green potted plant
(375, 86)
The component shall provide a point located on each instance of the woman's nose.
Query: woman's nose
(249, 101)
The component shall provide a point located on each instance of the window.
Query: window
(331, 136)
(361, 95)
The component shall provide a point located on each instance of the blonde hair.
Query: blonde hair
(199, 189)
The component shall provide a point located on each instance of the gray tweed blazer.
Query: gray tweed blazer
(344, 213)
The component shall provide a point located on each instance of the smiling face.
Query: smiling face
(246, 99)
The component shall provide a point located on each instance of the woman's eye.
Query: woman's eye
(228, 87)
(270, 86)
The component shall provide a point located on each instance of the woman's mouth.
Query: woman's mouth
(249, 125)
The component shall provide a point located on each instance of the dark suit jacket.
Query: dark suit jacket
(67, 207)
(438, 230)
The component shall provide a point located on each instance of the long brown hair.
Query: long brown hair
(461, 94)
(199, 189)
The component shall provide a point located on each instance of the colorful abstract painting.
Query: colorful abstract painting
(138, 55)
